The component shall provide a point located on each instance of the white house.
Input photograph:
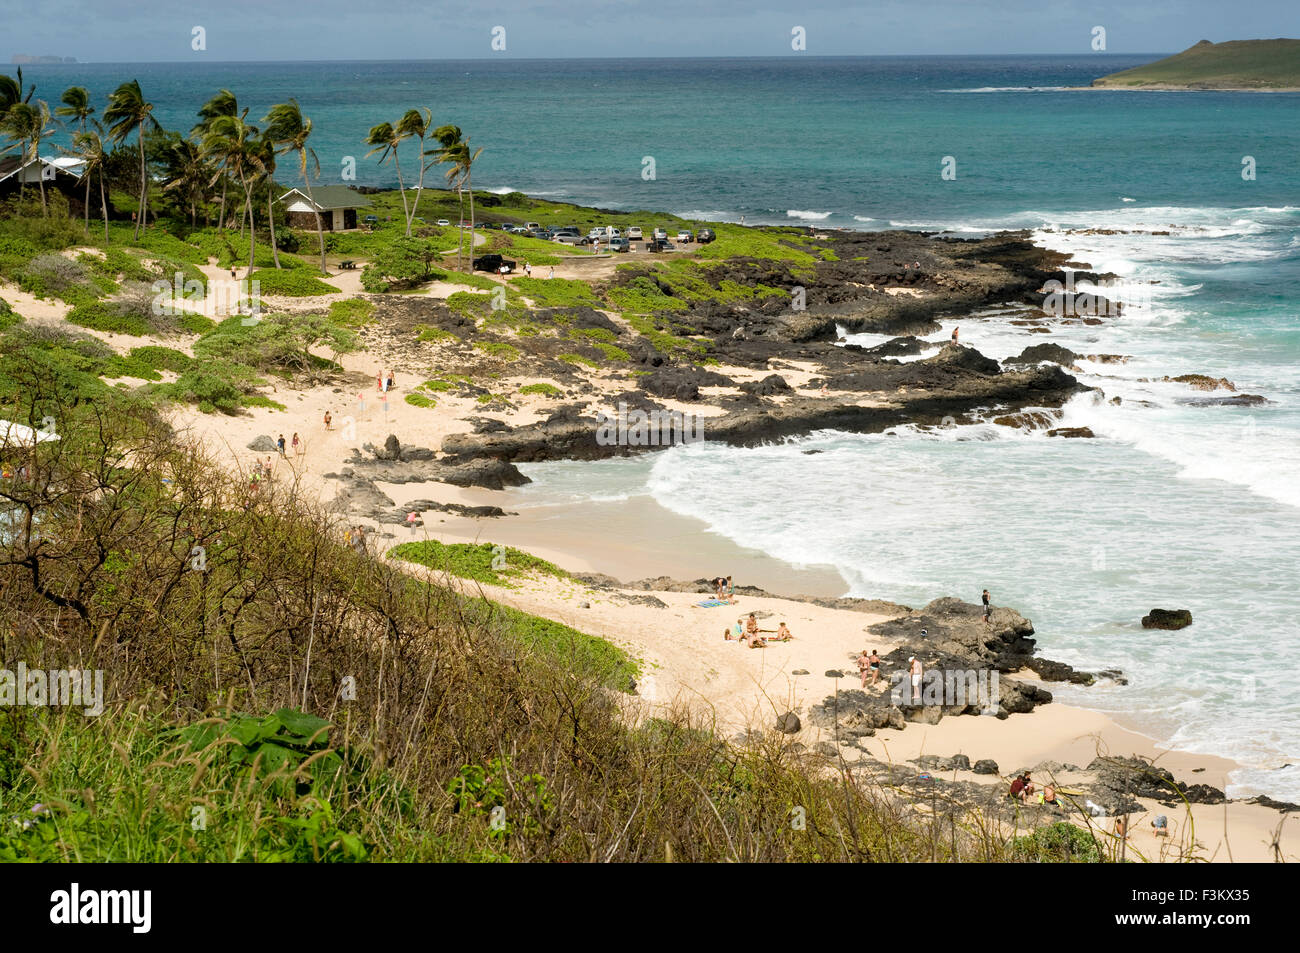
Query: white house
(337, 205)
(61, 170)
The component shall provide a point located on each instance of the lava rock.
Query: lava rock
(788, 723)
(1167, 619)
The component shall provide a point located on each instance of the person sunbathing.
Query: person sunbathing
(782, 634)
(754, 640)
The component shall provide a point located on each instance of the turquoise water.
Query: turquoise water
(1174, 505)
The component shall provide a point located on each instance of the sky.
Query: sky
(129, 31)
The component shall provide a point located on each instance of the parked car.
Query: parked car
(634, 233)
(660, 235)
(659, 245)
(493, 262)
(685, 237)
(569, 238)
(619, 244)
(706, 235)
(443, 223)
(533, 226)
(371, 220)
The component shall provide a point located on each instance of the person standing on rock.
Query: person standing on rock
(954, 335)
(988, 609)
(874, 661)
(915, 669)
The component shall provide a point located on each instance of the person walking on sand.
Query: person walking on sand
(528, 269)
(329, 419)
(864, 666)
(297, 446)
(915, 669)
(379, 381)
(391, 382)
(279, 444)
(988, 608)
(552, 274)
(875, 666)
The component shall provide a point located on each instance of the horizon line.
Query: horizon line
(579, 59)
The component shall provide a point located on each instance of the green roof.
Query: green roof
(327, 197)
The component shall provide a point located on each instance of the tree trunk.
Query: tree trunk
(103, 203)
(139, 219)
(471, 214)
(221, 218)
(40, 175)
(320, 226)
(460, 234)
(270, 217)
(419, 189)
(86, 204)
(252, 230)
(397, 164)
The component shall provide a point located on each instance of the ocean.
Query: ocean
(1175, 505)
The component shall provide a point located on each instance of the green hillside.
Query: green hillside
(1236, 64)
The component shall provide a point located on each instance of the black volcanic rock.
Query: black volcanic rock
(1167, 619)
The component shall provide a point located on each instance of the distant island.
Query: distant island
(1258, 65)
(22, 59)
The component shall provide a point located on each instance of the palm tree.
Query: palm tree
(289, 130)
(455, 151)
(262, 152)
(27, 125)
(449, 143)
(76, 105)
(187, 174)
(11, 92)
(222, 104)
(128, 111)
(230, 141)
(385, 139)
(90, 147)
(415, 123)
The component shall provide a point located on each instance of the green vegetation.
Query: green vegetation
(295, 283)
(544, 389)
(577, 359)
(416, 399)
(482, 562)
(499, 350)
(1061, 842)
(556, 292)
(1236, 64)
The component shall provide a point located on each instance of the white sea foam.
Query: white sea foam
(809, 216)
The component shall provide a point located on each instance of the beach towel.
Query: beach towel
(711, 603)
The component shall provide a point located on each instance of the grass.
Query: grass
(481, 562)
(289, 283)
(499, 349)
(542, 389)
(577, 359)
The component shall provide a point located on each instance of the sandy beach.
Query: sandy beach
(686, 661)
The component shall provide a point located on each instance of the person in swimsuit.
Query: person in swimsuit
(875, 667)
(782, 633)
(864, 666)
(915, 669)
(988, 608)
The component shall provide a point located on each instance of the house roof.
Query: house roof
(329, 197)
(72, 165)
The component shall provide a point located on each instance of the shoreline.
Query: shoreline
(561, 534)
(734, 692)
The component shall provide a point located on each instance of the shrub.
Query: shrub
(417, 399)
(498, 349)
(292, 284)
(546, 390)
(577, 359)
